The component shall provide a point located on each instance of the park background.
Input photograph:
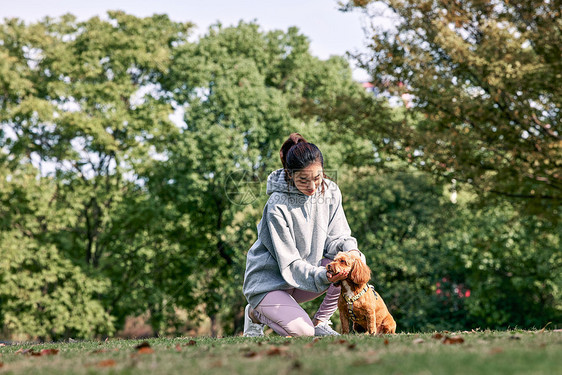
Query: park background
(134, 155)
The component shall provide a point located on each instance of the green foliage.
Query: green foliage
(398, 219)
(243, 92)
(80, 111)
(440, 265)
(42, 293)
(109, 209)
(512, 265)
(483, 78)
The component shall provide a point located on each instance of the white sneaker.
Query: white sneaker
(324, 329)
(251, 329)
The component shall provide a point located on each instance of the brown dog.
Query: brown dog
(358, 300)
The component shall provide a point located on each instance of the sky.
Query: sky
(330, 31)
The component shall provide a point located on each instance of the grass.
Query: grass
(487, 352)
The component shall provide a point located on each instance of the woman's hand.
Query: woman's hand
(334, 278)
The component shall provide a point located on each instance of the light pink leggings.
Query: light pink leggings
(280, 310)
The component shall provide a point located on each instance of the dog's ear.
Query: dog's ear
(360, 273)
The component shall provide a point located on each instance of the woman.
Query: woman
(303, 227)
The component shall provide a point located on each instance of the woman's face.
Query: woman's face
(308, 180)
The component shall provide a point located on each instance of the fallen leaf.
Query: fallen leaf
(352, 346)
(143, 344)
(178, 347)
(106, 363)
(98, 351)
(250, 354)
(49, 352)
(28, 352)
(340, 341)
(312, 343)
(274, 351)
(496, 350)
(145, 350)
(452, 340)
(418, 341)
(190, 343)
(1, 364)
(437, 336)
(386, 342)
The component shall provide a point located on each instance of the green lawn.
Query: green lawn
(513, 352)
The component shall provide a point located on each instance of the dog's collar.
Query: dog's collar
(355, 298)
(358, 295)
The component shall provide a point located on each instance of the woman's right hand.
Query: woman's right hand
(334, 278)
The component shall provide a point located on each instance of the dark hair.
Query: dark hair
(296, 154)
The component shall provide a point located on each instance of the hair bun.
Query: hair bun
(293, 139)
(296, 138)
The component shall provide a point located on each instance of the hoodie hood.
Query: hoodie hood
(276, 183)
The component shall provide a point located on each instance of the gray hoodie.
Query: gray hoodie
(296, 231)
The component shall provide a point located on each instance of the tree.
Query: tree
(512, 265)
(440, 265)
(243, 91)
(42, 293)
(483, 77)
(150, 218)
(80, 99)
(398, 219)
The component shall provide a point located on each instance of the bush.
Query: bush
(440, 265)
